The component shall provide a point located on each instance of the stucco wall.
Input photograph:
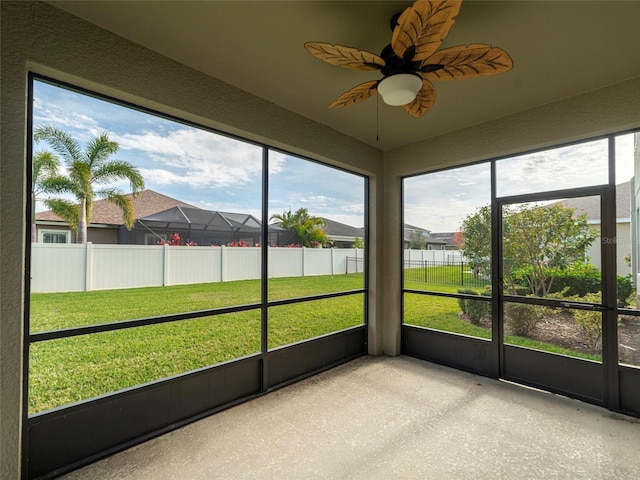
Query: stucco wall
(39, 38)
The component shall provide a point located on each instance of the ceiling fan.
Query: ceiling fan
(412, 60)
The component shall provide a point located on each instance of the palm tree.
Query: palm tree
(44, 166)
(89, 173)
(308, 229)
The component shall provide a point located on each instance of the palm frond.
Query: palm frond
(99, 149)
(116, 170)
(65, 209)
(56, 184)
(61, 142)
(44, 165)
(120, 200)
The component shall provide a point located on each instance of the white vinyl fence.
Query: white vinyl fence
(444, 256)
(76, 268)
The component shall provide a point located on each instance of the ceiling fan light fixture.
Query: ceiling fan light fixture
(399, 89)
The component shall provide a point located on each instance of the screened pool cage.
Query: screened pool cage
(205, 228)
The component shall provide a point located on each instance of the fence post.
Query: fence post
(165, 266)
(331, 260)
(304, 259)
(462, 273)
(88, 267)
(223, 262)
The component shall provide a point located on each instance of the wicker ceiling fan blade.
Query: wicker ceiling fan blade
(423, 102)
(355, 95)
(422, 27)
(347, 57)
(467, 61)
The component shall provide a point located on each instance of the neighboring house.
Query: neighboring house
(205, 227)
(106, 222)
(342, 235)
(446, 237)
(591, 207)
(431, 242)
(159, 216)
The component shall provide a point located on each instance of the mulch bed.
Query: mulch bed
(562, 330)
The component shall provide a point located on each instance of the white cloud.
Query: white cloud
(560, 168)
(195, 157)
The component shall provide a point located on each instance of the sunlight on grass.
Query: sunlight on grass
(301, 321)
(68, 370)
(54, 311)
(72, 369)
(439, 313)
(443, 278)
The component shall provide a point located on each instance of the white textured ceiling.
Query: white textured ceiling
(559, 49)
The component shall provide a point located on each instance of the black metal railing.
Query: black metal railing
(444, 273)
(354, 265)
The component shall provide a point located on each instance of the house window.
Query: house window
(54, 236)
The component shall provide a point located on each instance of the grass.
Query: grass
(72, 369)
(444, 276)
(54, 311)
(68, 370)
(441, 313)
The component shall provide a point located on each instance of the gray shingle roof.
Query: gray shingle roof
(147, 203)
(341, 229)
(591, 205)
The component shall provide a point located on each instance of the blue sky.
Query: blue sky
(199, 167)
(215, 172)
(440, 201)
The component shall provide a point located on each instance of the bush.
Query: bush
(523, 317)
(462, 302)
(580, 278)
(475, 310)
(625, 289)
(577, 280)
(590, 321)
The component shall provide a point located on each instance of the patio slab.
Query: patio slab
(391, 418)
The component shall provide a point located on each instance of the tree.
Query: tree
(476, 239)
(458, 239)
(44, 166)
(541, 240)
(89, 173)
(538, 241)
(417, 240)
(309, 229)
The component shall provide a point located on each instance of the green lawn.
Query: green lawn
(449, 276)
(72, 369)
(442, 313)
(54, 311)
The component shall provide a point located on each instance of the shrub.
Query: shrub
(462, 302)
(523, 317)
(625, 289)
(580, 278)
(577, 279)
(590, 321)
(475, 310)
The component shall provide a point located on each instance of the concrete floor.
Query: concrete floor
(391, 418)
